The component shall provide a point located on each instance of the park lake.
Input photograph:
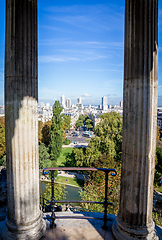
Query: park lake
(70, 192)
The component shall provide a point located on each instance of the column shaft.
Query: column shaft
(139, 120)
(24, 219)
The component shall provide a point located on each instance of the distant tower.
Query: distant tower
(68, 103)
(63, 101)
(42, 104)
(79, 100)
(104, 103)
(121, 104)
(47, 105)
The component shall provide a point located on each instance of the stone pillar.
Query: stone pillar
(134, 220)
(24, 220)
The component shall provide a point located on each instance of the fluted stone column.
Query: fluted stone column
(24, 220)
(134, 220)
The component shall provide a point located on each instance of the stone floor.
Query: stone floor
(79, 229)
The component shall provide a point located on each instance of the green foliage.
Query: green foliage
(3, 161)
(40, 126)
(79, 123)
(2, 142)
(67, 141)
(158, 166)
(94, 190)
(81, 117)
(46, 133)
(66, 122)
(2, 121)
(56, 132)
(44, 157)
(59, 193)
(109, 135)
(89, 123)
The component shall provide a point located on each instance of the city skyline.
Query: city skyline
(81, 51)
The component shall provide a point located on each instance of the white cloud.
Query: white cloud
(49, 58)
(85, 95)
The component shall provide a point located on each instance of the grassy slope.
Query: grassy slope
(72, 181)
(62, 159)
(60, 163)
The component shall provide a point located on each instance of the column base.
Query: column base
(33, 231)
(123, 231)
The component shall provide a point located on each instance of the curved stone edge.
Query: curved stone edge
(35, 232)
(122, 232)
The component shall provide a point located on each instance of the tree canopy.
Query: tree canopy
(109, 135)
(40, 126)
(66, 122)
(89, 123)
(2, 121)
(44, 157)
(56, 132)
(79, 123)
(46, 132)
(2, 142)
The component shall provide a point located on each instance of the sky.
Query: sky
(80, 50)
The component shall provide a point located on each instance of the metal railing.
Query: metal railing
(105, 202)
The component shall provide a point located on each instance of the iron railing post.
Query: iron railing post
(105, 202)
(53, 201)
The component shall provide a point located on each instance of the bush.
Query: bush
(3, 161)
(67, 141)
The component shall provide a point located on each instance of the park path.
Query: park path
(73, 175)
(76, 145)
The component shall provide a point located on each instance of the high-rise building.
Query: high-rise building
(68, 103)
(63, 101)
(121, 104)
(104, 103)
(79, 100)
(47, 105)
(42, 104)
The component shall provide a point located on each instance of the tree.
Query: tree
(89, 123)
(158, 165)
(56, 132)
(46, 133)
(79, 123)
(94, 189)
(66, 122)
(109, 135)
(81, 117)
(2, 121)
(2, 142)
(40, 126)
(44, 157)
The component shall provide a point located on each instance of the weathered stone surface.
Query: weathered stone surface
(24, 219)
(139, 121)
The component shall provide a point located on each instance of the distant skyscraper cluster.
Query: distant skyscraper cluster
(68, 102)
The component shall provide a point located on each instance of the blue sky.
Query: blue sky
(81, 50)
